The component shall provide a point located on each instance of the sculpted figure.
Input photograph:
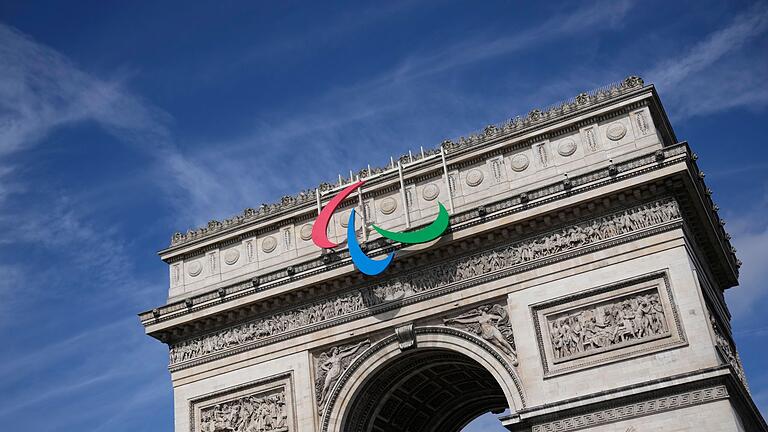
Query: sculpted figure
(485, 322)
(332, 364)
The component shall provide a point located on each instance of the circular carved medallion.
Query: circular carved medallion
(194, 268)
(306, 232)
(430, 192)
(344, 219)
(268, 244)
(231, 256)
(520, 162)
(388, 205)
(616, 131)
(567, 147)
(474, 177)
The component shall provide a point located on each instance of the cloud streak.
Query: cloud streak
(700, 82)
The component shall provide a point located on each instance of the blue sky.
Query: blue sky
(122, 122)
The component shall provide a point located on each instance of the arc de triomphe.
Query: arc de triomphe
(579, 286)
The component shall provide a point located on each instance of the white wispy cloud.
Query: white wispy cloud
(717, 73)
(750, 237)
(42, 90)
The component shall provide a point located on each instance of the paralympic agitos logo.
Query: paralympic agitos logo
(363, 263)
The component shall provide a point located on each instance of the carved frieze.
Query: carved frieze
(606, 324)
(329, 366)
(490, 322)
(264, 406)
(619, 321)
(427, 279)
(728, 351)
(633, 410)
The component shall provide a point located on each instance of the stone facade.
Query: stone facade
(579, 286)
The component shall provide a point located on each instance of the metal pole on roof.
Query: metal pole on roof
(447, 179)
(403, 197)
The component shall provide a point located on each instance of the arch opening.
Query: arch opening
(424, 390)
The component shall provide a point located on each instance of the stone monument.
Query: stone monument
(579, 286)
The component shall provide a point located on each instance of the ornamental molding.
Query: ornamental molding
(634, 410)
(490, 133)
(537, 197)
(429, 281)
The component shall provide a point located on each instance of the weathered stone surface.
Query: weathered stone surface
(580, 286)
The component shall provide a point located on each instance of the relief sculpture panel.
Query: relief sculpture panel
(490, 322)
(257, 407)
(620, 321)
(606, 324)
(428, 279)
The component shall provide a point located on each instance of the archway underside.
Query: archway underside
(429, 390)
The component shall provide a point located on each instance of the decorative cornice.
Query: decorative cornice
(428, 282)
(461, 221)
(490, 133)
(638, 409)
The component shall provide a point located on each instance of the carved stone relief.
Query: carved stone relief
(590, 139)
(194, 268)
(520, 162)
(329, 366)
(388, 205)
(213, 260)
(623, 412)
(306, 232)
(516, 124)
(452, 176)
(543, 155)
(428, 279)
(474, 177)
(268, 244)
(430, 192)
(728, 352)
(566, 147)
(642, 123)
(249, 250)
(490, 322)
(176, 273)
(616, 131)
(619, 321)
(496, 167)
(257, 407)
(231, 256)
(287, 238)
(608, 323)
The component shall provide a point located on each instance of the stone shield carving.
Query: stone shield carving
(474, 177)
(194, 268)
(388, 205)
(430, 192)
(231, 256)
(566, 147)
(269, 244)
(306, 232)
(616, 131)
(520, 162)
